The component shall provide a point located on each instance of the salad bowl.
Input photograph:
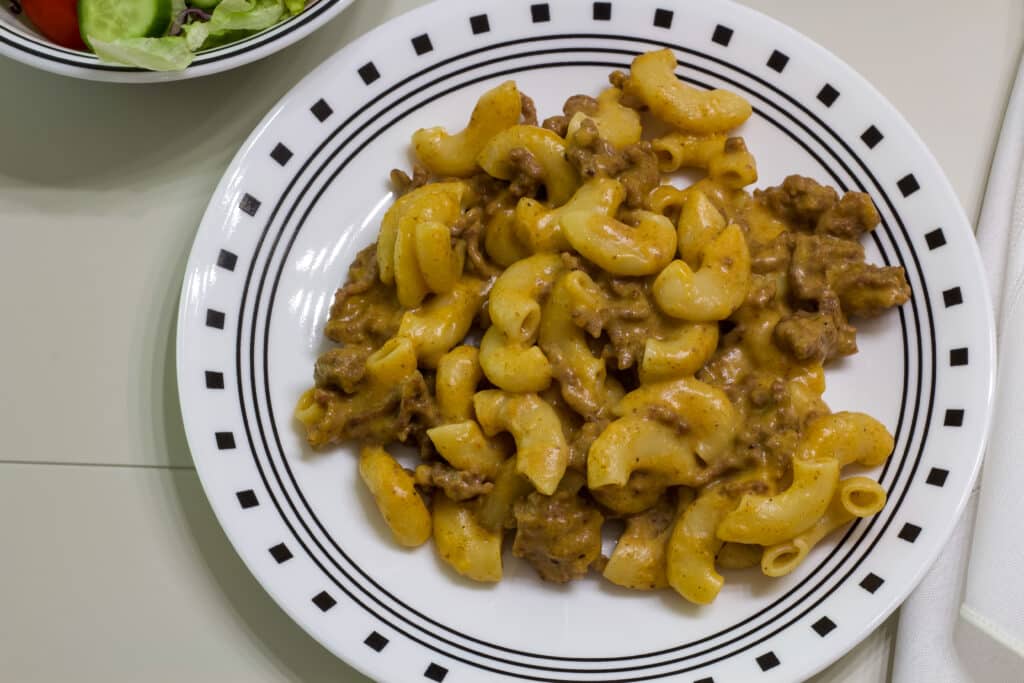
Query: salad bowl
(178, 40)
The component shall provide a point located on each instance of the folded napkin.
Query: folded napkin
(965, 622)
(994, 600)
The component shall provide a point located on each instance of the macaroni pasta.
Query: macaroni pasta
(567, 336)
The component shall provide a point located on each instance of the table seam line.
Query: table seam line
(139, 466)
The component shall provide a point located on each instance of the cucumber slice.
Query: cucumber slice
(110, 20)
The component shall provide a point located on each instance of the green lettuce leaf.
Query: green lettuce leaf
(196, 34)
(170, 53)
(234, 19)
(231, 20)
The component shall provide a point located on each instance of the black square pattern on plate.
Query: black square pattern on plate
(225, 441)
(952, 297)
(324, 601)
(909, 532)
(778, 61)
(422, 44)
(479, 24)
(663, 18)
(871, 137)
(709, 679)
(937, 477)
(376, 641)
(958, 357)
(249, 204)
(767, 661)
(247, 499)
(823, 626)
(539, 13)
(281, 154)
(828, 95)
(871, 582)
(435, 672)
(935, 238)
(722, 35)
(227, 259)
(280, 553)
(214, 319)
(214, 380)
(602, 11)
(368, 72)
(321, 110)
(908, 185)
(954, 417)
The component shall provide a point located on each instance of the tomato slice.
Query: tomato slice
(57, 20)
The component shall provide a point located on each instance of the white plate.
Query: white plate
(21, 41)
(307, 191)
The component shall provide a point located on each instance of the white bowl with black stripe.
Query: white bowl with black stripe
(19, 40)
(307, 191)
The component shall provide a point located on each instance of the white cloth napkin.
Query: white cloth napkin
(965, 622)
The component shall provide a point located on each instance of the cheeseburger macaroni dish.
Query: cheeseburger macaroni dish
(567, 337)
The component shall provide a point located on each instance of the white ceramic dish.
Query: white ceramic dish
(307, 191)
(21, 41)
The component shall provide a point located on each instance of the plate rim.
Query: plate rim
(848, 73)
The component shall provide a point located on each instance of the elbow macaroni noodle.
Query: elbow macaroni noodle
(540, 228)
(547, 148)
(653, 80)
(556, 329)
(618, 248)
(615, 123)
(541, 452)
(455, 155)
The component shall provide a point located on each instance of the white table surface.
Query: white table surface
(113, 567)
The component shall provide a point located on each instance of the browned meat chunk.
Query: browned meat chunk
(456, 484)
(798, 200)
(737, 489)
(363, 314)
(582, 439)
(528, 174)
(577, 103)
(628, 322)
(486, 192)
(726, 369)
(867, 291)
(399, 413)
(403, 184)
(593, 156)
(813, 257)
(819, 336)
(854, 215)
(636, 166)
(560, 535)
(559, 125)
(641, 174)
(341, 368)
(620, 80)
(470, 227)
(529, 110)
(668, 417)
